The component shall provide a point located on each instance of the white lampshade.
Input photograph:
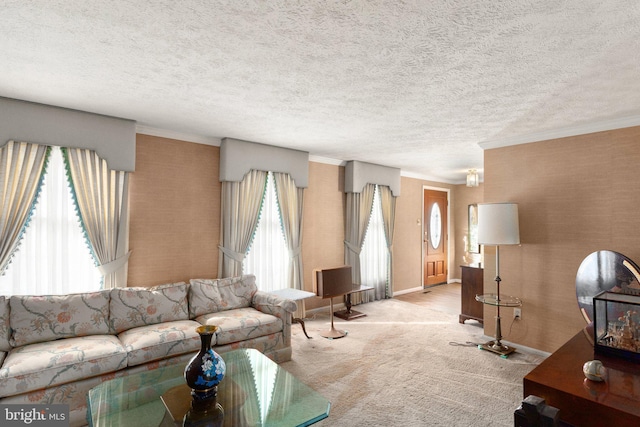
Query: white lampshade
(498, 224)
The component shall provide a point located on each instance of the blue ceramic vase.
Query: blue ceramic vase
(206, 369)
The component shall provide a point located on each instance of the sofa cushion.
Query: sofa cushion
(5, 330)
(46, 364)
(152, 342)
(50, 317)
(133, 307)
(241, 324)
(213, 295)
(73, 395)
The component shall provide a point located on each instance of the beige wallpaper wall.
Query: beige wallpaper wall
(323, 228)
(174, 211)
(175, 217)
(576, 195)
(407, 240)
(463, 196)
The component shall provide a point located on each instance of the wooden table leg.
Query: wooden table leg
(301, 322)
(348, 314)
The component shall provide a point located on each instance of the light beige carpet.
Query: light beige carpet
(397, 366)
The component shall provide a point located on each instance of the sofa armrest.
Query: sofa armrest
(275, 305)
(279, 307)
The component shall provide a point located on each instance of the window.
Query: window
(53, 256)
(268, 257)
(435, 226)
(374, 257)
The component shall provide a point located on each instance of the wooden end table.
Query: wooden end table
(295, 295)
(559, 380)
(348, 314)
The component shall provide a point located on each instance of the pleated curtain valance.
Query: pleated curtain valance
(358, 174)
(238, 157)
(113, 139)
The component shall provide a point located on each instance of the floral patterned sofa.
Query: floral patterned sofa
(53, 349)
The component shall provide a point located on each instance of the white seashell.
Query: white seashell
(594, 370)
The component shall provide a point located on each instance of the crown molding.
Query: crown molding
(327, 160)
(164, 133)
(423, 177)
(206, 140)
(584, 129)
(406, 174)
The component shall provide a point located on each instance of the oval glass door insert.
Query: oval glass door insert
(435, 225)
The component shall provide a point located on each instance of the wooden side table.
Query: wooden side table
(559, 380)
(472, 285)
(348, 314)
(295, 295)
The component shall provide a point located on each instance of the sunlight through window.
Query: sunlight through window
(53, 256)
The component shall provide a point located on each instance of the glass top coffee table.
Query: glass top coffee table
(254, 392)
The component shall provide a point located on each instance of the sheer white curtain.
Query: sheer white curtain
(374, 257)
(53, 257)
(268, 257)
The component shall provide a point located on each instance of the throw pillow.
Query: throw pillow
(214, 295)
(133, 307)
(50, 317)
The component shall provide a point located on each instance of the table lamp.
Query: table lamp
(498, 225)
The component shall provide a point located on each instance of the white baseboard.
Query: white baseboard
(407, 291)
(520, 346)
(420, 288)
(336, 307)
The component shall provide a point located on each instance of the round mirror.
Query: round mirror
(435, 225)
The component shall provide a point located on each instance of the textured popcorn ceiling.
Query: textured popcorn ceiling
(409, 84)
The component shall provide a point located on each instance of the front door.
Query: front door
(435, 237)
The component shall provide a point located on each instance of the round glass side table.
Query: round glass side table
(498, 301)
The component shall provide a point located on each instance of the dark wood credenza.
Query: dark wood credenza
(472, 285)
(560, 382)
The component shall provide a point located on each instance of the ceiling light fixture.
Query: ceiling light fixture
(472, 178)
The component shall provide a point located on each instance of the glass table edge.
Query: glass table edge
(173, 368)
(504, 301)
(318, 418)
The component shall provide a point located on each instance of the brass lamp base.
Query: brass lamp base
(333, 333)
(497, 347)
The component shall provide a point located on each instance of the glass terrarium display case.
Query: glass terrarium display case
(616, 324)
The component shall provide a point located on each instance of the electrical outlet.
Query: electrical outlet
(517, 313)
